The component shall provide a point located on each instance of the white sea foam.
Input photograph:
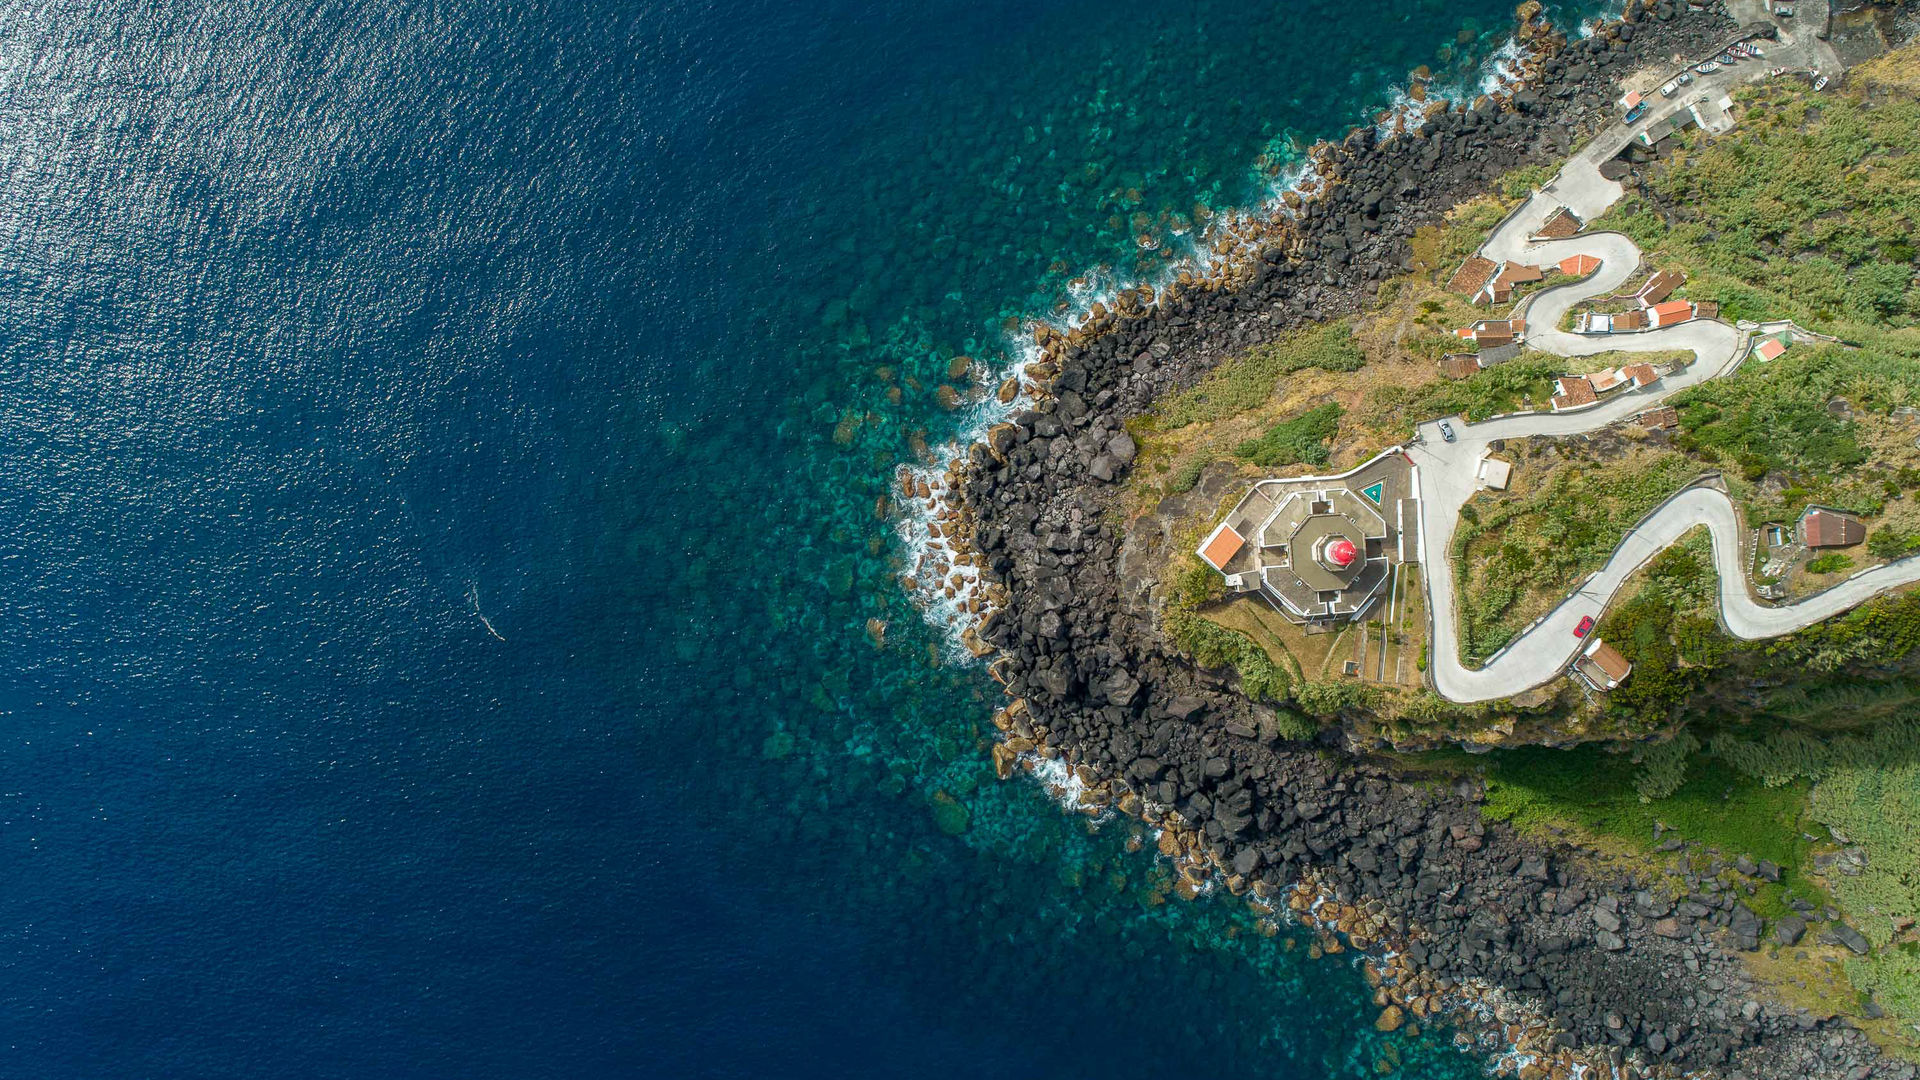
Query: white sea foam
(1501, 70)
(1063, 785)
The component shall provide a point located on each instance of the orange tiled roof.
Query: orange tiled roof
(1641, 374)
(1673, 311)
(1223, 547)
(1579, 265)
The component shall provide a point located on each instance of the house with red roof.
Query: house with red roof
(1671, 313)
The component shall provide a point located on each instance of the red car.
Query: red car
(1586, 624)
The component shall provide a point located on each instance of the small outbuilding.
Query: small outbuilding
(1664, 418)
(1601, 666)
(1579, 266)
(1494, 473)
(1559, 225)
(1659, 287)
(1472, 276)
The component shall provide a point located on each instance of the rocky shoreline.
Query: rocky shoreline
(1618, 975)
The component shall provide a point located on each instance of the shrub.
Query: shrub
(1663, 767)
(1302, 438)
(1888, 542)
(1329, 698)
(1188, 475)
(1830, 563)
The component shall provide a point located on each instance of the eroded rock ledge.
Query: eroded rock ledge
(1613, 968)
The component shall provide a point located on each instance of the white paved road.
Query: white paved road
(1447, 469)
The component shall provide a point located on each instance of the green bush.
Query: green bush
(1188, 475)
(1330, 698)
(1663, 767)
(1774, 416)
(1302, 438)
(1830, 563)
(1877, 630)
(1888, 542)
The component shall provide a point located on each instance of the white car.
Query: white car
(1668, 88)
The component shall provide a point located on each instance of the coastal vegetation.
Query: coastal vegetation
(1296, 440)
(1250, 379)
(1517, 553)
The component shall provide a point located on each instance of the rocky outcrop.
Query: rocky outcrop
(1609, 964)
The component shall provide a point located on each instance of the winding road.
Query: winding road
(1446, 470)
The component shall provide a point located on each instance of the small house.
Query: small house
(1603, 381)
(1458, 365)
(1601, 666)
(1706, 309)
(1825, 527)
(1640, 374)
(1494, 473)
(1499, 288)
(1221, 547)
(1573, 392)
(1770, 348)
(1671, 313)
(1629, 320)
(1494, 331)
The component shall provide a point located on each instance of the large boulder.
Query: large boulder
(1787, 931)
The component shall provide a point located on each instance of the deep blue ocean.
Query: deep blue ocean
(444, 451)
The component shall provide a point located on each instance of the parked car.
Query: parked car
(1668, 88)
(1446, 431)
(1783, 11)
(1684, 78)
(1820, 83)
(1586, 625)
(1636, 112)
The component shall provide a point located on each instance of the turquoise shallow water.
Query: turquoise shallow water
(445, 500)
